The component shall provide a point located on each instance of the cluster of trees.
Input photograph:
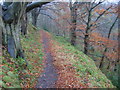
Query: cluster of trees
(90, 26)
(88, 19)
(14, 24)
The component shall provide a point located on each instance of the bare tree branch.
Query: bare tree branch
(96, 5)
(34, 5)
(102, 13)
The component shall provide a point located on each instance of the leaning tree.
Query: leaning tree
(13, 17)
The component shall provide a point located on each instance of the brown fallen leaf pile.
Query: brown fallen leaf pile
(67, 76)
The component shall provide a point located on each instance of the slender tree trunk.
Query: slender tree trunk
(35, 14)
(73, 24)
(105, 50)
(1, 29)
(34, 20)
(87, 33)
(102, 59)
(108, 67)
(24, 24)
(4, 34)
(86, 44)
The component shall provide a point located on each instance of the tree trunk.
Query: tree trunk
(24, 24)
(12, 26)
(34, 20)
(87, 33)
(35, 12)
(86, 44)
(13, 41)
(1, 29)
(105, 50)
(73, 24)
(11, 15)
(102, 59)
(4, 34)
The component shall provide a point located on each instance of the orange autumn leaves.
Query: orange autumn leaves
(67, 77)
(34, 55)
(97, 39)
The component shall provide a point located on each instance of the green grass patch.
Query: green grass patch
(85, 66)
(13, 73)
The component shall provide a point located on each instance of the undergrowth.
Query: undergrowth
(85, 66)
(12, 72)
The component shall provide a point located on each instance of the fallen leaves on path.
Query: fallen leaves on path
(67, 75)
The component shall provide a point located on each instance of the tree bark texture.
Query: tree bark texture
(11, 18)
(35, 12)
(73, 10)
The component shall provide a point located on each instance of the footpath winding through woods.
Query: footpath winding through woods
(58, 71)
(49, 76)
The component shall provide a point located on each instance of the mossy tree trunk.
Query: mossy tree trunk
(11, 18)
(12, 13)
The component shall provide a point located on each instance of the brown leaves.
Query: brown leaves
(33, 55)
(67, 75)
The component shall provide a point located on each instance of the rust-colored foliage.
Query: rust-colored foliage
(67, 77)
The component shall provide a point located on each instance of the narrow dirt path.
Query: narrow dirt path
(49, 76)
(59, 71)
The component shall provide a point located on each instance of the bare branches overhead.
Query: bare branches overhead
(34, 5)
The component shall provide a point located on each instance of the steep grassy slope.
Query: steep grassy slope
(12, 72)
(14, 76)
(84, 66)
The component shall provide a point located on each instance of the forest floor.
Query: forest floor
(52, 63)
(49, 75)
(58, 72)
